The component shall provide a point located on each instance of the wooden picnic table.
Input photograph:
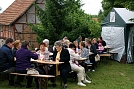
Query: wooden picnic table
(107, 48)
(48, 62)
(102, 56)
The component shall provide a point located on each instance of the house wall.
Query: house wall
(23, 31)
(7, 31)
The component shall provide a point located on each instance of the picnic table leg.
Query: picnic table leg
(46, 82)
(40, 80)
(46, 68)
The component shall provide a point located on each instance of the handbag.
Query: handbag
(32, 71)
(97, 57)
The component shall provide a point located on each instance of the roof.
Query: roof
(125, 14)
(14, 11)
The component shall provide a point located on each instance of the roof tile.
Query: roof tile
(16, 9)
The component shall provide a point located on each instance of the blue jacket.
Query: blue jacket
(23, 57)
(6, 58)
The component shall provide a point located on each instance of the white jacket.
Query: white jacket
(73, 56)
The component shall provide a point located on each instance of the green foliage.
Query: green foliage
(64, 18)
(101, 16)
(107, 6)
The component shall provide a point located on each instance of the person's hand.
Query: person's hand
(58, 59)
(43, 59)
(35, 48)
(79, 53)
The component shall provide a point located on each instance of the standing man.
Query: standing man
(7, 63)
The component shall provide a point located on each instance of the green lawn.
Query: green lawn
(114, 75)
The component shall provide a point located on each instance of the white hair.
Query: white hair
(46, 41)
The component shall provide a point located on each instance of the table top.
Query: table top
(46, 62)
(82, 59)
(105, 55)
(107, 47)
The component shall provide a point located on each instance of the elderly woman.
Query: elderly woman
(43, 53)
(62, 55)
(76, 67)
(48, 47)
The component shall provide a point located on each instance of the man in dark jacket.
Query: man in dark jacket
(7, 63)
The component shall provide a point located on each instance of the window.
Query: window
(112, 16)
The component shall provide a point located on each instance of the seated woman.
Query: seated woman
(62, 55)
(77, 46)
(84, 54)
(76, 67)
(103, 43)
(100, 48)
(91, 47)
(17, 45)
(23, 57)
(94, 41)
(43, 54)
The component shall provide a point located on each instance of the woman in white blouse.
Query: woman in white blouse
(43, 53)
(76, 67)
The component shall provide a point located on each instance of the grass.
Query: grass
(114, 75)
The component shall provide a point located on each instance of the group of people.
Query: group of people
(15, 57)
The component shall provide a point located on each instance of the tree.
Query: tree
(107, 5)
(63, 18)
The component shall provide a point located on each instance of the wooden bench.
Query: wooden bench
(113, 53)
(105, 55)
(89, 65)
(3, 76)
(39, 76)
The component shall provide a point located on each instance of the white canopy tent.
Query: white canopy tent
(118, 32)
